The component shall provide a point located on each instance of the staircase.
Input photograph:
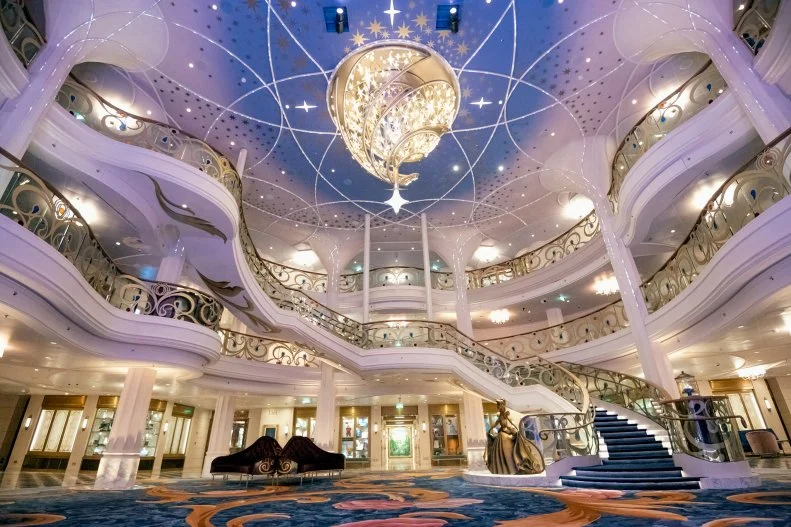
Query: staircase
(637, 461)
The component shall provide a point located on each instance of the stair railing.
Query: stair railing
(268, 350)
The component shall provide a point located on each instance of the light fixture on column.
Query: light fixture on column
(499, 316)
(768, 404)
(28, 419)
(376, 428)
(392, 101)
(285, 430)
(165, 427)
(84, 423)
(424, 426)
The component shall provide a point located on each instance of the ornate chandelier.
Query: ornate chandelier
(500, 316)
(391, 102)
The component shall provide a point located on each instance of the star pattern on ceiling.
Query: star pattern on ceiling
(532, 77)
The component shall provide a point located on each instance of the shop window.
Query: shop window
(56, 431)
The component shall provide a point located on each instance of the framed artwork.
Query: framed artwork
(399, 441)
(452, 425)
(271, 431)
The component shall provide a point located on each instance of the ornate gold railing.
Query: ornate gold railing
(754, 188)
(267, 350)
(23, 36)
(37, 207)
(558, 436)
(755, 22)
(704, 427)
(677, 108)
(298, 278)
(604, 321)
(628, 391)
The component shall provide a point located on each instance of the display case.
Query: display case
(56, 429)
(490, 415)
(239, 430)
(354, 435)
(304, 422)
(445, 430)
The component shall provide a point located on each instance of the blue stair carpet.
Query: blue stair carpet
(637, 461)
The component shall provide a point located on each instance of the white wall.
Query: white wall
(261, 417)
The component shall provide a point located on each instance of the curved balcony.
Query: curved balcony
(675, 109)
(22, 35)
(756, 21)
(42, 210)
(749, 192)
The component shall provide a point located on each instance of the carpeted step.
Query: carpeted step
(617, 429)
(622, 435)
(645, 462)
(636, 467)
(626, 483)
(640, 455)
(635, 447)
(666, 472)
(639, 440)
(606, 485)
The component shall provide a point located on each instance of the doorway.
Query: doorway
(400, 447)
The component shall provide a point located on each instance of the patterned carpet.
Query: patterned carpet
(405, 499)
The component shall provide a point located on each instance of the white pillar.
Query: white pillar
(196, 442)
(254, 424)
(474, 430)
(367, 269)
(119, 462)
(424, 436)
(463, 319)
(80, 441)
(426, 265)
(22, 442)
(655, 363)
(554, 316)
(220, 436)
(325, 409)
(375, 445)
(241, 161)
(159, 453)
(333, 281)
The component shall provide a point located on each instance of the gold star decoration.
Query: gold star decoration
(443, 34)
(252, 4)
(375, 28)
(385, 33)
(421, 21)
(462, 49)
(430, 43)
(358, 39)
(466, 92)
(404, 31)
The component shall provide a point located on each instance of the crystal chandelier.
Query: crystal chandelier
(391, 102)
(499, 316)
(606, 286)
(752, 373)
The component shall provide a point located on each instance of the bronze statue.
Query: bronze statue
(508, 451)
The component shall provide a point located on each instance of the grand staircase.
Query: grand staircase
(637, 461)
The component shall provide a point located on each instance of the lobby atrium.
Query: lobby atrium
(412, 263)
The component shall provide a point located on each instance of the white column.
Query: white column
(367, 269)
(220, 436)
(426, 265)
(172, 264)
(159, 453)
(375, 445)
(325, 409)
(474, 430)
(119, 462)
(554, 316)
(256, 421)
(463, 319)
(656, 365)
(241, 161)
(196, 442)
(424, 436)
(22, 442)
(80, 441)
(333, 281)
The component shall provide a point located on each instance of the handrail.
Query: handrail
(38, 207)
(21, 33)
(755, 23)
(606, 320)
(262, 349)
(687, 100)
(749, 192)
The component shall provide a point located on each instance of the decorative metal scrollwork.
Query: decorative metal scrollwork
(743, 197)
(35, 206)
(755, 23)
(677, 108)
(704, 427)
(23, 36)
(298, 278)
(271, 351)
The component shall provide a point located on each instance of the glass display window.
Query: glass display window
(445, 430)
(304, 424)
(355, 440)
(103, 425)
(56, 430)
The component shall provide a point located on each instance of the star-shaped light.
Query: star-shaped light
(392, 12)
(396, 201)
(480, 104)
(305, 106)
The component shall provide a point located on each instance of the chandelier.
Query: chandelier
(391, 102)
(752, 373)
(499, 316)
(606, 286)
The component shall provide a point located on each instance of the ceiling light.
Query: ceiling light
(191, 65)
(183, 205)
(577, 207)
(148, 112)
(741, 7)
(189, 110)
(293, 4)
(53, 342)
(233, 143)
(384, 125)
(752, 373)
(500, 168)
(672, 231)
(499, 316)
(634, 101)
(486, 253)
(396, 201)
(455, 168)
(214, 7)
(606, 286)
(552, 134)
(118, 243)
(587, 59)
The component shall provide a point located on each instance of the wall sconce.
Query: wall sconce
(285, 430)
(767, 404)
(84, 423)
(27, 421)
(376, 428)
(165, 427)
(424, 426)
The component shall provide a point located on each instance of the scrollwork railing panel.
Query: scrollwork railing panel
(744, 196)
(271, 351)
(704, 427)
(298, 278)
(755, 23)
(396, 276)
(677, 108)
(559, 436)
(35, 206)
(22, 35)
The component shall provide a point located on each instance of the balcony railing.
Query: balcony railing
(37, 207)
(298, 278)
(675, 109)
(271, 351)
(600, 323)
(22, 35)
(755, 22)
(749, 192)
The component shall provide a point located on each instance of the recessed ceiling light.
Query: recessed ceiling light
(378, 248)
(282, 171)
(501, 168)
(214, 7)
(148, 112)
(262, 197)
(741, 8)
(587, 59)
(191, 65)
(412, 249)
(270, 248)
(183, 205)
(333, 170)
(560, 1)
(118, 243)
(35, 369)
(189, 110)
(552, 134)
(634, 101)
(233, 143)
(287, 107)
(293, 4)
(672, 231)
(455, 168)
(740, 327)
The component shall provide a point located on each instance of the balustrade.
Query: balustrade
(22, 35)
(755, 22)
(271, 351)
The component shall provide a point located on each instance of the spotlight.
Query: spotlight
(454, 19)
(448, 17)
(339, 16)
(336, 19)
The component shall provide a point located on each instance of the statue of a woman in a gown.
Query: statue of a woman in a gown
(508, 451)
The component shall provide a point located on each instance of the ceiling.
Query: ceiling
(254, 75)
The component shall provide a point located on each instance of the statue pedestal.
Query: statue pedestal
(484, 477)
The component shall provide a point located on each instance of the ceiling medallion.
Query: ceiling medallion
(392, 101)
(500, 316)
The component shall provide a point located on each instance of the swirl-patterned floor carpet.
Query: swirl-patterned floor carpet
(405, 499)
